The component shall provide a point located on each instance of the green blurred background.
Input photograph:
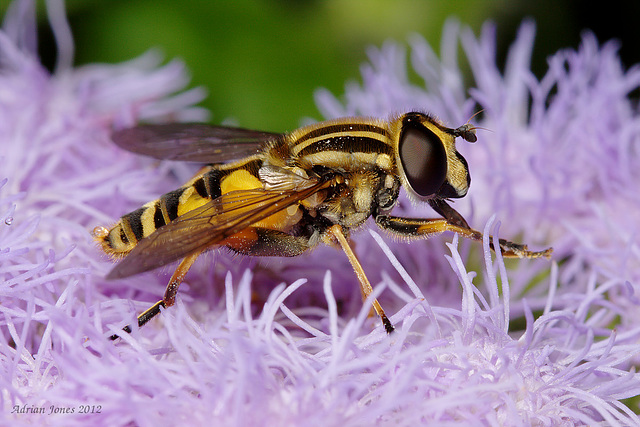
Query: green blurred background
(262, 60)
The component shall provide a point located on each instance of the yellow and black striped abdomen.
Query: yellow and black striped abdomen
(211, 183)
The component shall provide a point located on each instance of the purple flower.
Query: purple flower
(288, 342)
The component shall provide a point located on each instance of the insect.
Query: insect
(269, 194)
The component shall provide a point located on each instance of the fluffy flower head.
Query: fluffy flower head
(308, 353)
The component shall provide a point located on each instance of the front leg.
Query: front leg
(423, 228)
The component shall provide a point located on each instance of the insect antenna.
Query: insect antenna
(468, 131)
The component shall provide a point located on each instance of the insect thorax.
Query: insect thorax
(357, 158)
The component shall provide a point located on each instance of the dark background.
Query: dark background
(261, 60)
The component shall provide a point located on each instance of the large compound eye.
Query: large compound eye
(423, 159)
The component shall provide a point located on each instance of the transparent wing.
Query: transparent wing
(192, 142)
(206, 226)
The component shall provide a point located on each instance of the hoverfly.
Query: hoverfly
(269, 194)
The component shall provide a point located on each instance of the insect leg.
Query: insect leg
(365, 286)
(423, 228)
(169, 294)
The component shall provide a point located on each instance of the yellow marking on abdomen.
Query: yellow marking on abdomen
(239, 180)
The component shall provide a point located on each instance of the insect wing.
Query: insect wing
(192, 142)
(206, 226)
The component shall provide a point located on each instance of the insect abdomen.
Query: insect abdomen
(134, 226)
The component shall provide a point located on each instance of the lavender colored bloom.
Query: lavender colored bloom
(241, 347)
